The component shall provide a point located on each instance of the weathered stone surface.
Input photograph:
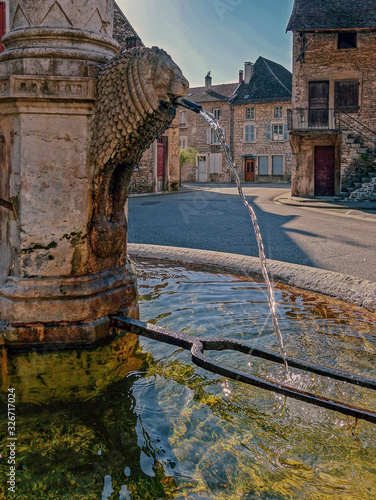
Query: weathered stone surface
(316, 57)
(134, 106)
(63, 262)
(94, 15)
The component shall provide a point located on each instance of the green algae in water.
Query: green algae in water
(142, 413)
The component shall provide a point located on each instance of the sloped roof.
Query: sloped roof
(270, 82)
(332, 15)
(122, 28)
(221, 92)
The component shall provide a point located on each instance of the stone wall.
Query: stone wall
(196, 135)
(144, 176)
(323, 61)
(264, 115)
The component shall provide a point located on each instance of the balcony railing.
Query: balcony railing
(312, 119)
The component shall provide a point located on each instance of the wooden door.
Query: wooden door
(318, 116)
(249, 170)
(2, 24)
(162, 173)
(324, 170)
(202, 169)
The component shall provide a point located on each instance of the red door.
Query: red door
(162, 173)
(249, 170)
(324, 170)
(2, 24)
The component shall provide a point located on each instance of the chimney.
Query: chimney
(208, 81)
(241, 75)
(248, 72)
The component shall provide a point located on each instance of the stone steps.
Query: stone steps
(357, 183)
(367, 191)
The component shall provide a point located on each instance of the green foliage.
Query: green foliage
(187, 155)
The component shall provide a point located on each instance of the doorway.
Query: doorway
(249, 170)
(202, 169)
(162, 164)
(324, 170)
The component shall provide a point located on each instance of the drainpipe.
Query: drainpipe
(231, 134)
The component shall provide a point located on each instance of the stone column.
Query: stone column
(50, 291)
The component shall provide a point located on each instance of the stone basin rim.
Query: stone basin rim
(332, 284)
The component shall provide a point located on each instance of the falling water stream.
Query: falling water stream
(213, 122)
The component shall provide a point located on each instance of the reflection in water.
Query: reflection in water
(137, 417)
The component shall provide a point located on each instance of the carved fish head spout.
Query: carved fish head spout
(136, 93)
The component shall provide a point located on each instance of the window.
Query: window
(277, 165)
(263, 165)
(249, 133)
(183, 119)
(347, 40)
(212, 137)
(277, 111)
(215, 163)
(346, 96)
(217, 113)
(250, 113)
(183, 142)
(277, 133)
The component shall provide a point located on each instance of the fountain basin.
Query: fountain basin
(347, 288)
(152, 421)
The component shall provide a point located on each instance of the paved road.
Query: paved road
(214, 218)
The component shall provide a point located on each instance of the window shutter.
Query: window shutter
(346, 96)
(208, 136)
(285, 132)
(219, 164)
(268, 132)
(249, 133)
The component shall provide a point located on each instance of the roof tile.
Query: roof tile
(332, 15)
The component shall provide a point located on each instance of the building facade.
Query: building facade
(195, 132)
(253, 114)
(333, 118)
(260, 143)
(158, 169)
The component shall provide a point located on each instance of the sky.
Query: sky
(214, 35)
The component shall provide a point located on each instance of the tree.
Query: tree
(187, 155)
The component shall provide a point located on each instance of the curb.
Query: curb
(347, 288)
(308, 202)
(159, 193)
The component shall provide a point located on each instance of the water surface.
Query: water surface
(143, 414)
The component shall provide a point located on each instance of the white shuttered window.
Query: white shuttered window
(249, 133)
(215, 163)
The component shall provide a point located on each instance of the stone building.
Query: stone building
(159, 166)
(194, 132)
(333, 120)
(253, 114)
(260, 138)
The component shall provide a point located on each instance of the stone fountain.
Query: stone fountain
(76, 117)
